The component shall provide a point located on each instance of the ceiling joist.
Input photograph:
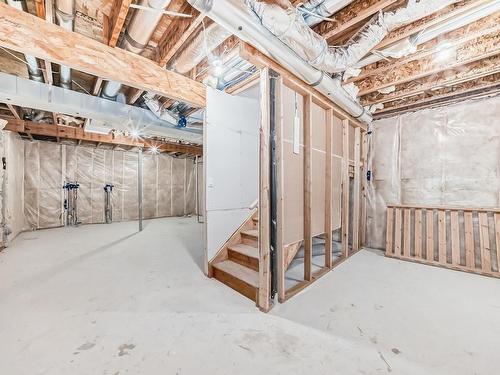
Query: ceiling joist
(25, 33)
(444, 78)
(487, 84)
(478, 49)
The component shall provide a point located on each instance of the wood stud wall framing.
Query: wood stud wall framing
(285, 253)
(459, 238)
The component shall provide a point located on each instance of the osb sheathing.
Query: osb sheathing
(168, 183)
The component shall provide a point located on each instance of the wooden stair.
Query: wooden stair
(237, 263)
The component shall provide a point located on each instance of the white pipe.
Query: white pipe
(239, 20)
(65, 17)
(409, 45)
(34, 71)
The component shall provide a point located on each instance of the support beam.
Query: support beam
(78, 134)
(345, 189)
(22, 32)
(307, 208)
(117, 18)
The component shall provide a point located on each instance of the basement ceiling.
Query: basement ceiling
(426, 77)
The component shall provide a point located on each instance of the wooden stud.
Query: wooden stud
(263, 300)
(25, 33)
(389, 231)
(429, 222)
(328, 189)
(345, 188)
(356, 189)
(418, 233)
(307, 188)
(469, 240)
(406, 232)
(442, 236)
(484, 242)
(397, 231)
(455, 238)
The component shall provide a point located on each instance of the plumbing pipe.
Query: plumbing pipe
(33, 70)
(409, 45)
(239, 20)
(65, 17)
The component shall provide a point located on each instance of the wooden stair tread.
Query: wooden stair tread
(247, 250)
(243, 273)
(251, 232)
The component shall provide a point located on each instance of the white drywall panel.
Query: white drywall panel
(231, 159)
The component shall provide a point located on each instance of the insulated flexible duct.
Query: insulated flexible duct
(289, 26)
(236, 17)
(409, 45)
(316, 10)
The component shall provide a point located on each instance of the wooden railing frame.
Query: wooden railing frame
(460, 236)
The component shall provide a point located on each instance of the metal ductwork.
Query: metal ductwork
(111, 115)
(288, 25)
(137, 36)
(65, 16)
(33, 69)
(236, 17)
(409, 45)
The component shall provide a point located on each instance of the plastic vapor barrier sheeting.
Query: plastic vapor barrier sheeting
(168, 184)
(448, 156)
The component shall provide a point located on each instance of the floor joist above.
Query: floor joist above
(22, 32)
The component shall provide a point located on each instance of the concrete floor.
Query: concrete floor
(103, 299)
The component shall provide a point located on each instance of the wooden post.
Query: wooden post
(345, 188)
(307, 188)
(328, 189)
(263, 300)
